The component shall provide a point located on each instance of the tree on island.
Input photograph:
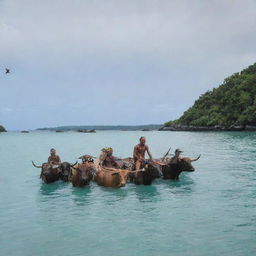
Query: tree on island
(231, 104)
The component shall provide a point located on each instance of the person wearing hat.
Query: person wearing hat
(107, 159)
(176, 158)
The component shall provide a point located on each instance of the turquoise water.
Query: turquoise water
(209, 212)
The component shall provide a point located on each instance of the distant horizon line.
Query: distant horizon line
(72, 127)
(100, 126)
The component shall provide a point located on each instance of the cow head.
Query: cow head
(66, 170)
(146, 176)
(185, 165)
(153, 169)
(120, 178)
(49, 173)
(84, 174)
(173, 170)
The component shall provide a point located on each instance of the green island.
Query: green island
(231, 106)
(2, 129)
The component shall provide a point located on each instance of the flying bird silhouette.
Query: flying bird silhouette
(7, 70)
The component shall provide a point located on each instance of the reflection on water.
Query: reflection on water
(51, 189)
(81, 196)
(147, 193)
(112, 195)
(184, 186)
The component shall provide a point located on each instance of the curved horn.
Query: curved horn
(81, 157)
(37, 166)
(72, 165)
(196, 158)
(166, 154)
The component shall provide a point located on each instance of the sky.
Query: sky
(95, 62)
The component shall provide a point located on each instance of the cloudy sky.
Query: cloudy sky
(116, 61)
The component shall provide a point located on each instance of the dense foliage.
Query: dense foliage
(232, 103)
(2, 129)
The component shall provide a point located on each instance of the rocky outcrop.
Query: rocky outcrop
(207, 128)
(87, 131)
(2, 129)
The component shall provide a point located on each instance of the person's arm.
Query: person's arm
(149, 154)
(58, 159)
(49, 160)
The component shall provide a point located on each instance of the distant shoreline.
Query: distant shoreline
(217, 128)
(147, 127)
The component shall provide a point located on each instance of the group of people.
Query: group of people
(108, 160)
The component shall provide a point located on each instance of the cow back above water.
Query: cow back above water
(173, 170)
(147, 175)
(109, 177)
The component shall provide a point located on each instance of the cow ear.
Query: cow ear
(115, 173)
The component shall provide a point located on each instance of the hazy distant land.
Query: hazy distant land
(103, 127)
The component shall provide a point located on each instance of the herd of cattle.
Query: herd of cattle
(81, 174)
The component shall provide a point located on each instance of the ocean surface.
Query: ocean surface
(211, 211)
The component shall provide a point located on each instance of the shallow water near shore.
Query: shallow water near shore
(211, 211)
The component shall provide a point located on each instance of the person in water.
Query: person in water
(177, 157)
(139, 153)
(54, 159)
(107, 158)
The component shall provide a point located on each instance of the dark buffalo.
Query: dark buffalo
(83, 174)
(147, 175)
(173, 170)
(49, 172)
(66, 171)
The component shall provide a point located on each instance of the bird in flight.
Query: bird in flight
(7, 70)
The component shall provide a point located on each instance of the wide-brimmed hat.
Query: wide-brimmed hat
(178, 150)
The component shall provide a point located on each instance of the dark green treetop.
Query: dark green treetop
(232, 103)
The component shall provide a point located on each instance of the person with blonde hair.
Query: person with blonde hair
(107, 159)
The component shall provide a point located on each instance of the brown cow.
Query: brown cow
(110, 177)
(83, 174)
